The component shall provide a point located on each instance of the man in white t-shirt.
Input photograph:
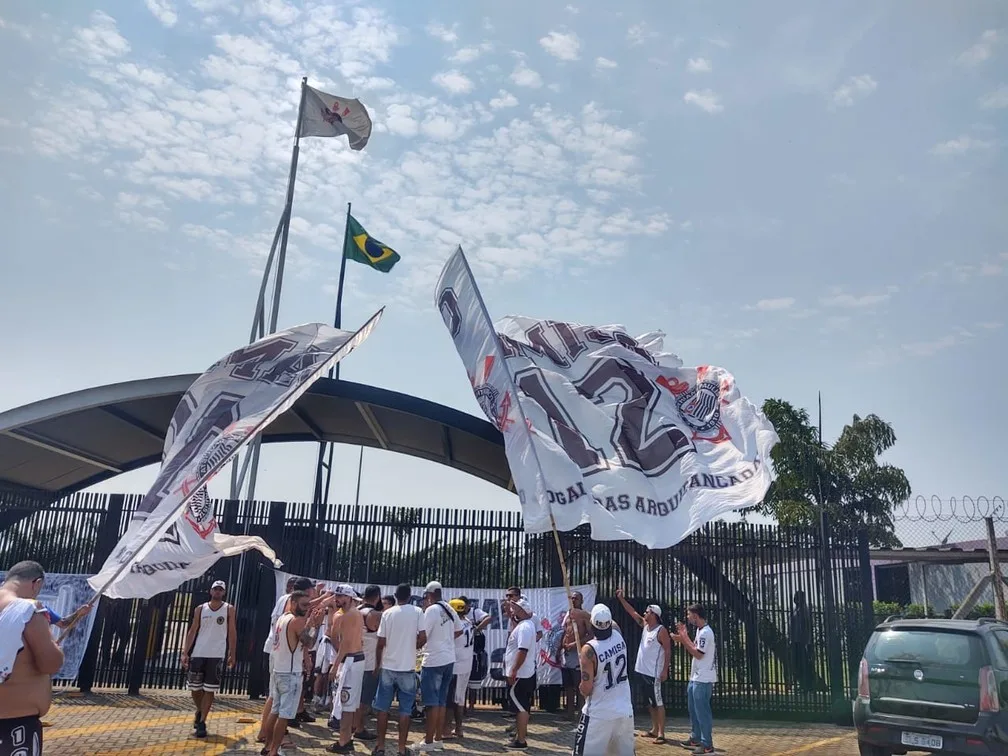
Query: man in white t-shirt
(441, 625)
(463, 669)
(400, 634)
(703, 675)
(520, 668)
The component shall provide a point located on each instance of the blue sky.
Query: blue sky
(811, 196)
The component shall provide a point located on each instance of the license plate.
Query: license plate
(922, 741)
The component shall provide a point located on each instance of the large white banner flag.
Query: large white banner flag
(173, 535)
(603, 428)
(549, 608)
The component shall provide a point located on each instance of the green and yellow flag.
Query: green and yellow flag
(363, 248)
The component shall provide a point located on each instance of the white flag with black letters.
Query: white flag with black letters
(173, 535)
(603, 428)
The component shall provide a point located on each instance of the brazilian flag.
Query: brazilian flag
(361, 247)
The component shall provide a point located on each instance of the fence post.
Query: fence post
(266, 599)
(834, 662)
(867, 586)
(139, 658)
(108, 536)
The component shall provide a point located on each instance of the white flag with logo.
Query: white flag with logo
(173, 535)
(603, 428)
(327, 115)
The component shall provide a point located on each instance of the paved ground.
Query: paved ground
(161, 723)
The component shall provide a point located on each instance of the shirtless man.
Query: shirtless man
(28, 659)
(569, 647)
(347, 634)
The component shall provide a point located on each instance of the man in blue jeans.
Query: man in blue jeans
(441, 625)
(399, 636)
(703, 675)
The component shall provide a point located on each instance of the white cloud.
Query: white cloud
(562, 46)
(850, 301)
(453, 82)
(101, 41)
(277, 12)
(698, 65)
(604, 64)
(706, 100)
(400, 121)
(960, 146)
(638, 34)
(995, 100)
(523, 76)
(468, 54)
(163, 11)
(982, 49)
(439, 31)
(855, 88)
(774, 305)
(504, 99)
(931, 348)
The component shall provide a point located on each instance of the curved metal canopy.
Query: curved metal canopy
(69, 442)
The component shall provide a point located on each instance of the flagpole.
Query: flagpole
(323, 467)
(282, 257)
(535, 455)
(338, 320)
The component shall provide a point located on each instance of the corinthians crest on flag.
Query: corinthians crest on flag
(604, 428)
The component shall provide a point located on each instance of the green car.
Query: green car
(936, 686)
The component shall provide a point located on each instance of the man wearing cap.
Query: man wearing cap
(347, 634)
(520, 666)
(653, 657)
(441, 625)
(606, 725)
(211, 634)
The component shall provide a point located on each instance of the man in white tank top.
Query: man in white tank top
(652, 665)
(370, 609)
(606, 726)
(211, 636)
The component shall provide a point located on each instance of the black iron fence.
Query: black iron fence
(776, 657)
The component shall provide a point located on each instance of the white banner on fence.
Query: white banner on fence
(548, 604)
(62, 594)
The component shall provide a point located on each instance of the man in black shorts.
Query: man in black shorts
(520, 667)
(211, 635)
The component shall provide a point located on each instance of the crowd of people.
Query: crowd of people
(350, 657)
(345, 657)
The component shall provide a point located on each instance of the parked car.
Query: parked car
(934, 685)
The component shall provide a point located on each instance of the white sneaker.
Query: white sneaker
(422, 748)
(438, 745)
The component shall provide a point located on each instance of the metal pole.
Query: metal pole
(278, 284)
(995, 567)
(323, 467)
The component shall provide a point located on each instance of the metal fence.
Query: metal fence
(747, 577)
(946, 545)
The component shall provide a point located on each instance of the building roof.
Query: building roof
(70, 442)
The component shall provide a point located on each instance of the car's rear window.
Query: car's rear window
(927, 647)
(1001, 648)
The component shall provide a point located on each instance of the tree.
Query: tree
(846, 478)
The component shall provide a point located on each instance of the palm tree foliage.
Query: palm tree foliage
(846, 479)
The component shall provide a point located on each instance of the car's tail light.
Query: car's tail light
(863, 691)
(988, 691)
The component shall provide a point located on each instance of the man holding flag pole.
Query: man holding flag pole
(605, 429)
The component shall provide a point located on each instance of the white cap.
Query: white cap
(345, 590)
(655, 610)
(524, 604)
(601, 617)
(218, 584)
(432, 586)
